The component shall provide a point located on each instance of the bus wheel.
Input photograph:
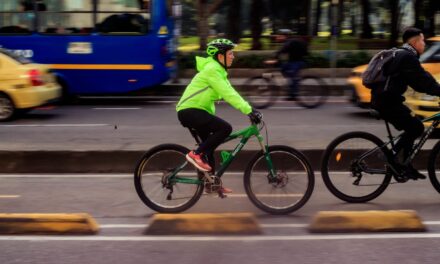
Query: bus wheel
(66, 97)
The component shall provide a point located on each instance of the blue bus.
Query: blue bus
(94, 46)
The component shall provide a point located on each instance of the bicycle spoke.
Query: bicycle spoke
(291, 187)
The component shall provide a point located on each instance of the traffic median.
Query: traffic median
(366, 221)
(204, 224)
(48, 224)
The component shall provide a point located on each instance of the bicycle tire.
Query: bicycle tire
(312, 92)
(434, 166)
(263, 93)
(148, 175)
(338, 167)
(296, 178)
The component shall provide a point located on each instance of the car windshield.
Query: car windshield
(16, 57)
(431, 51)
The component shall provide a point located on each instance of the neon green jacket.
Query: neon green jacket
(209, 85)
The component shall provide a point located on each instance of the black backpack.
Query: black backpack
(374, 77)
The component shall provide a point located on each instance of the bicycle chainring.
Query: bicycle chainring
(214, 185)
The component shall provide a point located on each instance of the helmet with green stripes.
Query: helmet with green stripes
(220, 45)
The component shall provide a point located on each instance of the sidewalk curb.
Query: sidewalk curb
(366, 221)
(121, 161)
(48, 224)
(204, 224)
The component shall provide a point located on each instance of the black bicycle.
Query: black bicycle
(265, 89)
(357, 166)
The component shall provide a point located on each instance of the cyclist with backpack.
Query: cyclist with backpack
(196, 109)
(402, 70)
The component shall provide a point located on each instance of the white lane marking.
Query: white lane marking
(117, 226)
(222, 238)
(242, 195)
(117, 108)
(80, 175)
(6, 196)
(123, 226)
(287, 107)
(58, 125)
(61, 175)
(431, 222)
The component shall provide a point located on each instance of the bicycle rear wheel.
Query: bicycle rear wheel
(292, 187)
(434, 166)
(262, 92)
(354, 167)
(154, 187)
(312, 92)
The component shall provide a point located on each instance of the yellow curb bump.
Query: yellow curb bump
(204, 224)
(48, 224)
(366, 221)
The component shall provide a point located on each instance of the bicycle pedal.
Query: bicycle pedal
(222, 195)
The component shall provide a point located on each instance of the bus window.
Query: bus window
(13, 22)
(66, 17)
(122, 17)
(94, 46)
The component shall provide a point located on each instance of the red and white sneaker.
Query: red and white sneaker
(225, 190)
(197, 161)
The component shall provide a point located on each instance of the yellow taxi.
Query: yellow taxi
(423, 105)
(430, 60)
(24, 85)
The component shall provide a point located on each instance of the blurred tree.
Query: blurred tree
(431, 9)
(318, 17)
(394, 8)
(256, 14)
(418, 22)
(233, 30)
(189, 18)
(205, 9)
(303, 18)
(367, 30)
(425, 13)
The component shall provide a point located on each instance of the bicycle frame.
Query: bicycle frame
(227, 157)
(435, 119)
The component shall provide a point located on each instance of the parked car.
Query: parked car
(423, 105)
(430, 60)
(24, 85)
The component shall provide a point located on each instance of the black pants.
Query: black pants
(211, 129)
(400, 117)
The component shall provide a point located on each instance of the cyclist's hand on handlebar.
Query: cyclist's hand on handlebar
(255, 116)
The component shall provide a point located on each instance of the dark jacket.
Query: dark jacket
(295, 48)
(405, 70)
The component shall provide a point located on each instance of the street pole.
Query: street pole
(334, 36)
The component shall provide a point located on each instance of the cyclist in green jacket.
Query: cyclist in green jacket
(196, 109)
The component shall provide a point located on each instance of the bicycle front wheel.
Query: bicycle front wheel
(312, 92)
(354, 167)
(262, 92)
(292, 186)
(155, 187)
(434, 166)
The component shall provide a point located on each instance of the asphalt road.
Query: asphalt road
(112, 201)
(142, 124)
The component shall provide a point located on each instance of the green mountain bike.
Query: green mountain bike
(357, 166)
(278, 179)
